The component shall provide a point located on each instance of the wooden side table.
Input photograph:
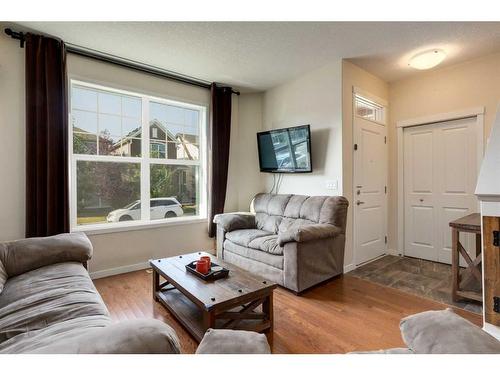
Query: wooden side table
(469, 224)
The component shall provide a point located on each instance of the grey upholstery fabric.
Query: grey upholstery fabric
(444, 332)
(3, 276)
(258, 255)
(268, 244)
(226, 341)
(139, 336)
(387, 351)
(234, 221)
(45, 296)
(256, 239)
(50, 305)
(28, 254)
(243, 237)
(309, 263)
(266, 271)
(308, 233)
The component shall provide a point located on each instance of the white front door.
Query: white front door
(370, 181)
(440, 171)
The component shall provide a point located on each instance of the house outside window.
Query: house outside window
(134, 158)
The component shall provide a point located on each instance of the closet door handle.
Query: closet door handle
(359, 202)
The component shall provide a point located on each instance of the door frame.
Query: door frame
(477, 112)
(384, 103)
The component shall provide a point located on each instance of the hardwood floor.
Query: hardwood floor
(346, 314)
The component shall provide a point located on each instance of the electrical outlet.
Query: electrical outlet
(332, 185)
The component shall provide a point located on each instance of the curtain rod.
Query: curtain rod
(126, 63)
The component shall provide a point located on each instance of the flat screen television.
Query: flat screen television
(285, 150)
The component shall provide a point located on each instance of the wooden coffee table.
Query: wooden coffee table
(240, 301)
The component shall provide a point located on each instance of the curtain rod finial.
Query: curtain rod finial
(15, 35)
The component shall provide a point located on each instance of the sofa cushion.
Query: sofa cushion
(243, 237)
(277, 212)
(30, 341)
(255, 254)
(46, 296)
(268, 244)
(269, 210)
(444, 332)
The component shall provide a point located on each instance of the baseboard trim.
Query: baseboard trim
(119, 270)
(393, 252)
(349, 267)
(493, 330)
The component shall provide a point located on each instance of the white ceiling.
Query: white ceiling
(259, 55)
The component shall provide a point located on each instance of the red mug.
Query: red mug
(202, 266)
(208, 259)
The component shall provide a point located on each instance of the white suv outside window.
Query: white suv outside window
(161, 208)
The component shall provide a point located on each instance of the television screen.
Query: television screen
(285, 150)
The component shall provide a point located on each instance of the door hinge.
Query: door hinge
(355, 146)
(496, 238)
(385, 139)
(385, 189)
(385, 239)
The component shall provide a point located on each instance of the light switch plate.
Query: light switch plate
(332, 184)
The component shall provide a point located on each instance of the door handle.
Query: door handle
(421, 199)
(359, 202)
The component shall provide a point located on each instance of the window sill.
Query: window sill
(135, 225)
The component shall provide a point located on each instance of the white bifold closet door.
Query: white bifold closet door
(440, 173)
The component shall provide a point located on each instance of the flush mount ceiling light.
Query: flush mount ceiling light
(427, 59)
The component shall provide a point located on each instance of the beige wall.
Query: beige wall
(12, 140)
(249, 179)
(315, 99)
(467, 85)
(353, 76)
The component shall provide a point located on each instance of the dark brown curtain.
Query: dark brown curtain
(218, 146)
(47, 203)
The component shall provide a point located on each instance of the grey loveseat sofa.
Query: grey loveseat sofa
(296, 241)
(49, 305)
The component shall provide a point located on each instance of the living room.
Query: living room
(261, 187)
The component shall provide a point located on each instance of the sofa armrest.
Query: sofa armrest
(227, 341)
(308, 233)
(31, 253)
(234, 221)
(138, 336)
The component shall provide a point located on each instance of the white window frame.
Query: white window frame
(145, 161)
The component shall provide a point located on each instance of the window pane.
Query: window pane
(131, 127)
(178, 184)
(84, 143)
(112, 119)
(110, 103)
(82, 98)
(131, 147)
(110, 124)
(84, 121)
(179, 127)
(107, 192)
(175, 115)
(157, 150)
(187, 150)
(131, 107)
